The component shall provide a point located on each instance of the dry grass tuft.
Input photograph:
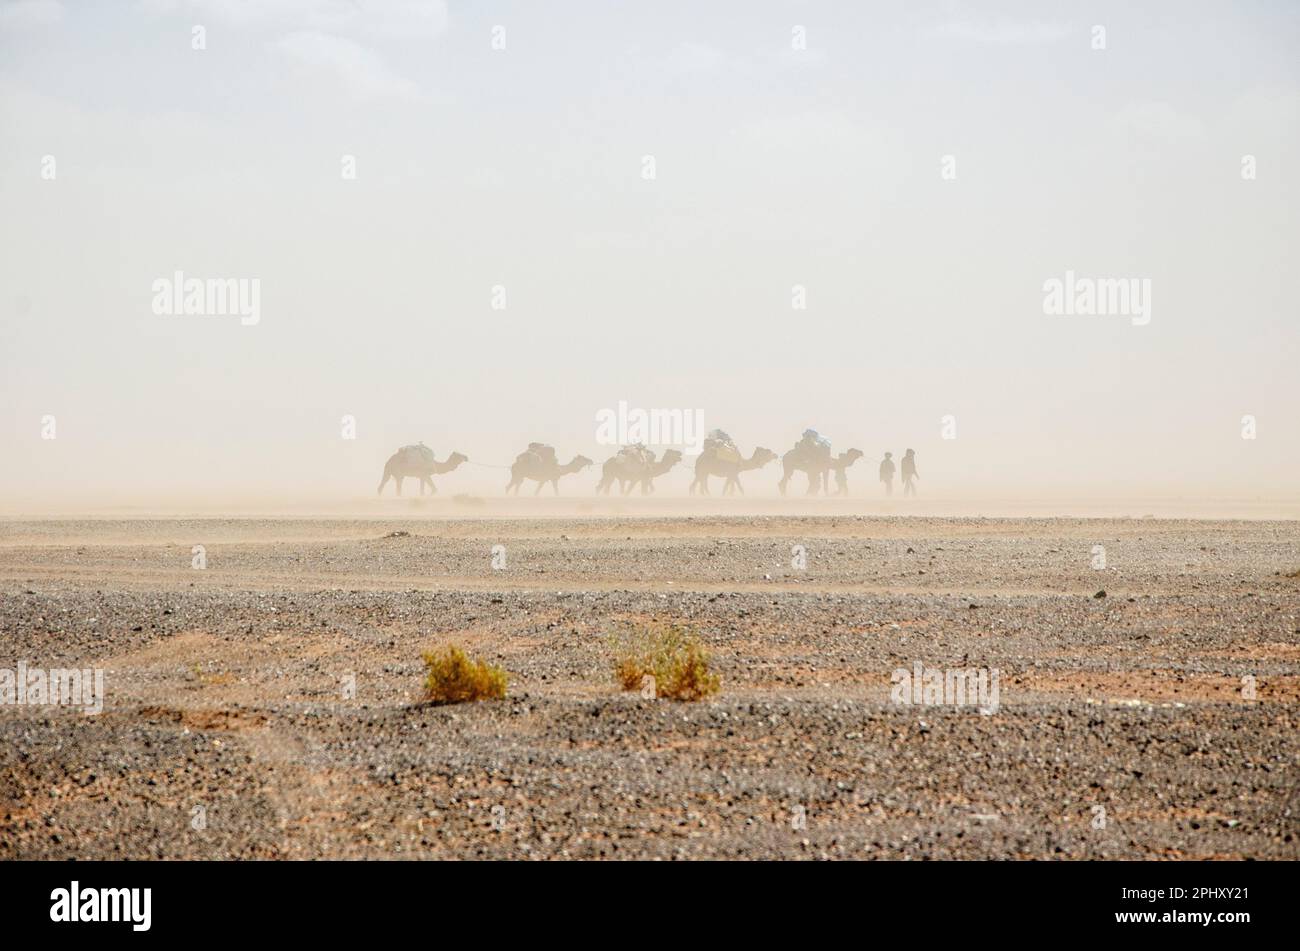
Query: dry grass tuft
(451, 677)
(672, 655)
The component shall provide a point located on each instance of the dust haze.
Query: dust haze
(477, 245)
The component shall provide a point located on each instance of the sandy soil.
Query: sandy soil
(1124, 727)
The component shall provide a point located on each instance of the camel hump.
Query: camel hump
(543, 451)
(722, 446)
(816, 440)
(418, 452)
(637, 453)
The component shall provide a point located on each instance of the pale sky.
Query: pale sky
(522, 167)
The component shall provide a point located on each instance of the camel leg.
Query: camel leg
(433, 489)
(398, 481)
(538, 490)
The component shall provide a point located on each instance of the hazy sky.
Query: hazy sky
(523, 167)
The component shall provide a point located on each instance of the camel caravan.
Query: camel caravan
(636, 467)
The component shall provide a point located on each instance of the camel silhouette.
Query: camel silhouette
(417, 462)
(816, 464)
(838, 466)
(630, 468)
(542, 468)
(711, 464)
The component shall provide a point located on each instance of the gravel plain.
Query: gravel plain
(268, 704)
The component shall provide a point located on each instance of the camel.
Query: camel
(710, 464)
(628, 469)
(841, 463)
(669, 459)
(541, 467)
(816, 465)
(417, 462)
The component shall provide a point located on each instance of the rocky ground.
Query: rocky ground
(1158, 720)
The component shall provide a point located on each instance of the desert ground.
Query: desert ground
(1158, 720)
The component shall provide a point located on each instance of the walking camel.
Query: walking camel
(810, 460)
(712, 463)
(417, 462)
(838, 466)
(628, 468)
(539, 464)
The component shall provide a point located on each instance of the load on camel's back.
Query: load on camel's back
(418, 454)
(637, 454)
(544, 451)
(722, 447)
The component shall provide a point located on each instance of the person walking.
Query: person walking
(887, 472)
(909, 473)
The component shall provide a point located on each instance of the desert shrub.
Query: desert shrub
(671, 654)
(452, 677)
